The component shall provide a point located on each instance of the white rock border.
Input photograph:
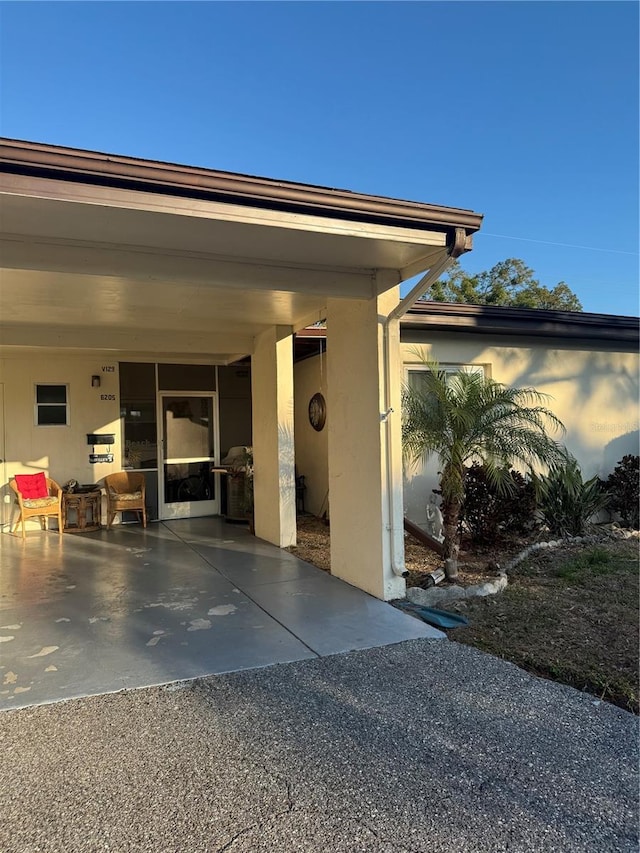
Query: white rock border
(611, 532)
(439, 595)
(435, 595)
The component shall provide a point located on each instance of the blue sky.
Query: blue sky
(526, 112)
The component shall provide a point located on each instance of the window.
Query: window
(186, 377)
(415, 373)
(52, 405)
(138, 415)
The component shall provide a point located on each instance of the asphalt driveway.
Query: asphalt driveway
(421, 746)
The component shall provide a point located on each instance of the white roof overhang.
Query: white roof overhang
(150, 272)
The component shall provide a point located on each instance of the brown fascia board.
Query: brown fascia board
(91, 167)
(312, 332)
(532, 322)
(304, 348)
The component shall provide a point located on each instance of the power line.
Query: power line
(552, 243)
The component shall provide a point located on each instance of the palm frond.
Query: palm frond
(471, 417)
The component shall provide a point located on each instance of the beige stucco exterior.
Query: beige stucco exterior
(311, 445)
(274, 481)
(365, 519)
(106, 259)
(593, 388)
(60, 451)
(594, 392)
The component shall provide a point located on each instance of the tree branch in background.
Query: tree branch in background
(510, 283)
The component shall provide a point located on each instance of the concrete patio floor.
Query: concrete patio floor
(96, 613)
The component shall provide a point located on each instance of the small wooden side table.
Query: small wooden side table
(88, 511)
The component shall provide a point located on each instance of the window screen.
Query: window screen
(138, 415)
(415, 376)
(52, 406)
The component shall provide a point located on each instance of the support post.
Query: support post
(365, 464)
(274, 489)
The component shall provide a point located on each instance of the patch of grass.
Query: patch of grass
(571, 616)
(592, 561)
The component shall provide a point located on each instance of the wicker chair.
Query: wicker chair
(125, 493)
(41, 508)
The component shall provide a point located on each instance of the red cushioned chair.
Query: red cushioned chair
(37, 496)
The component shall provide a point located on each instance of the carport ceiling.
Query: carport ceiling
(103, 261)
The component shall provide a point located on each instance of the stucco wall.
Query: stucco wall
(311, 445)
(594, 392)
(273, 440)
(60, 451)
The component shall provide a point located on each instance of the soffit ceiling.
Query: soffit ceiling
(346, 247)
(187, 276)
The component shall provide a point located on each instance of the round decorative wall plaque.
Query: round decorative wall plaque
(317, 411)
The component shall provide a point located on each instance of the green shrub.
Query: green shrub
(489, 513)
(566, 501)
(623, 486)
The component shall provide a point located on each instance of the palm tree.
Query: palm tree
(468, 417)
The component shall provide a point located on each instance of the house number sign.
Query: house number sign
(108, 368)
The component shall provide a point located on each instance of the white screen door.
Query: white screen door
(187, 488)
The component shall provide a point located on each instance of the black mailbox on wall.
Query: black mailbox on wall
(105, 438)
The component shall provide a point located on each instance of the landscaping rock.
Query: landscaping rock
(488, 588)
(441, 595)
(609, 531)
(435, 596)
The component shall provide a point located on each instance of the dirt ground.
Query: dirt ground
(569, 614)
(314, 545)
